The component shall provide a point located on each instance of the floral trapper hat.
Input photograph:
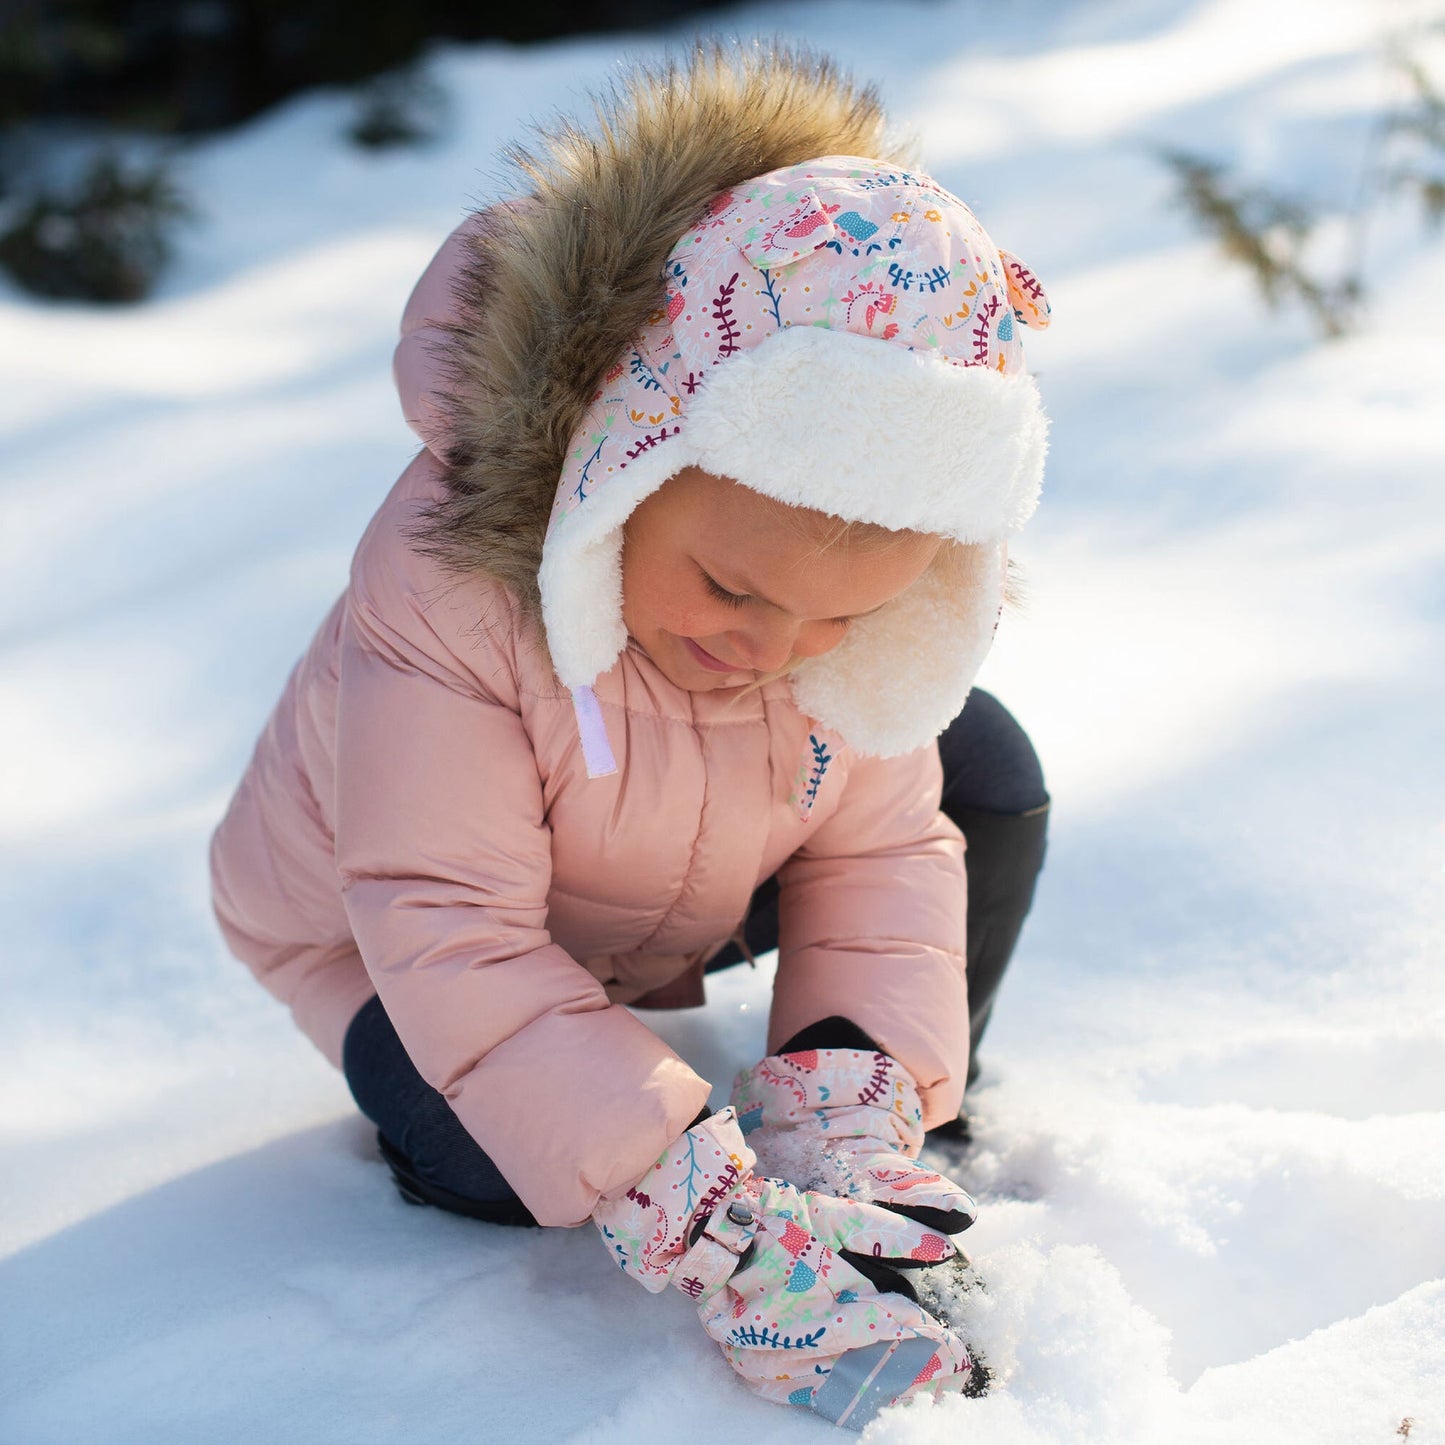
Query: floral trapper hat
(840, 335)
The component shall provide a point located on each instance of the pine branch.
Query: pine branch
(1266, 233)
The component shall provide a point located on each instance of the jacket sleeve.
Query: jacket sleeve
(872, 921)
(445, 861)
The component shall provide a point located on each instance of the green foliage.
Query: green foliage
(399, 108)
(45, 45)
(191, 66)
(1420, 124)
(106, 241)
(1268, 232)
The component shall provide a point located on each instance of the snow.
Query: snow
(1210, 1133)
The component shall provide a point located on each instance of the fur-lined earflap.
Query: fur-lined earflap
(560, 283)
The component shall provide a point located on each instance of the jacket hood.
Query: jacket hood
(731, 271)
(546, 293)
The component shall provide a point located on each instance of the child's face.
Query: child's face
(699, 536)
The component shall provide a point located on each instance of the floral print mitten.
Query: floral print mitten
(847, 1122)
(802, 1292)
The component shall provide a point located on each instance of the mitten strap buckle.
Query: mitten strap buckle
(712, 1260)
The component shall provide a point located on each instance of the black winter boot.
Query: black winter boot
(417, 1191)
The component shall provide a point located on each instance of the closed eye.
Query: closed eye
(736, 599)
(716, 589)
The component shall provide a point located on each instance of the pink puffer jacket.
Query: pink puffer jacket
(417, 822)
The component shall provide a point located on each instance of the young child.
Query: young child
(643, 666)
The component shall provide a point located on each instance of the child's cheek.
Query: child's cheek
(690, 621)
(693, 616)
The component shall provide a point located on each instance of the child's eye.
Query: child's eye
(732, 599)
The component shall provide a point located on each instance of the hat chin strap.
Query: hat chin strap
(596, 750)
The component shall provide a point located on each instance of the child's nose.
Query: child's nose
(770, 648)
(767, 646)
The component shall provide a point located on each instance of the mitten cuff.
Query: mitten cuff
(833, 1094)
(667, 1217)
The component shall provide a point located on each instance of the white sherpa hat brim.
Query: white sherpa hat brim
(865, 431)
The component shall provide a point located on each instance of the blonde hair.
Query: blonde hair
(826, 531)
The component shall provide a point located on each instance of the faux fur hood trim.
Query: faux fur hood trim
(557, 286)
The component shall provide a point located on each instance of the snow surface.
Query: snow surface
(1211, 1127)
